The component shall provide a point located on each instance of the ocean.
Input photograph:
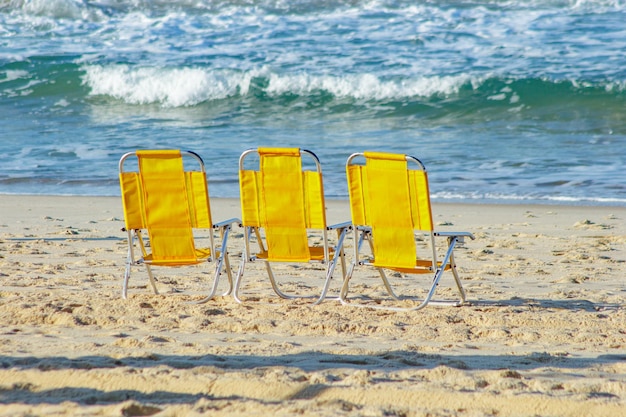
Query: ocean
(504, 101)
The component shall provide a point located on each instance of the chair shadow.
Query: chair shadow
(568, 304)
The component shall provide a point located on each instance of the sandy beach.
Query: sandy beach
(543, 334)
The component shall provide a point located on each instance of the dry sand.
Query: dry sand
(544, 333)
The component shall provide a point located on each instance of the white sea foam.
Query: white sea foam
(190, 86)
(11, 75)
(57, 9)
(531, 198)
(169, 87)
(366, 86)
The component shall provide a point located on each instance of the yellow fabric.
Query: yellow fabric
(198, 197)
(421, 267)
(314, 200)
(316, 253)
(166, 206)
(384, 156)
(249, 195)
(420, 199)
(354, 174)
(389, 212)
(282, 197)
(133, 204)
(132, 201)
(201, 256)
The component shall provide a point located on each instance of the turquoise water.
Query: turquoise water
(502, 100)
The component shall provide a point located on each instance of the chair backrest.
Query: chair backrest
(168, 201)
(393, 199)
(283, 199)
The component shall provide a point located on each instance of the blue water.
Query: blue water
(519, 100)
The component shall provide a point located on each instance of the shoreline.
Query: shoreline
(17, 208)
(542, 333)
(607, 202)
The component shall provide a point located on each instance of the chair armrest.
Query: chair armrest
(343, 225)
(224, 223)
(455, 234)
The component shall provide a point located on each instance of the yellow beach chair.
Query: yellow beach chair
(389, 203)
(168, 201)
(280, 203)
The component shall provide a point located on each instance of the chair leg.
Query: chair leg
(242, 267)
(449, 258)
(381, 272)
(341, 234)
(358, 239)
(225, 232)
(457, 279)
(245, 257)
(152, 281)
(387, 285)
(338, 255)
(330, 270)
(132, 235)
(343, 297)
(129, 263)
(343, 294)
(216, 277)
(275, 286)
(229, 275)
(277, 290)
(329, 275)
(221, 262)
(126, 279)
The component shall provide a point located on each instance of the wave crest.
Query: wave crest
(178, 87)
(366, 86)
(183, 87)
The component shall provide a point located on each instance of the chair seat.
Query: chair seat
(201, 256)
(316, 253)
(422, 266)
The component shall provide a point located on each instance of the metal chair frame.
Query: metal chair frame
(217, 255)
(251, 232)
(435, 267)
